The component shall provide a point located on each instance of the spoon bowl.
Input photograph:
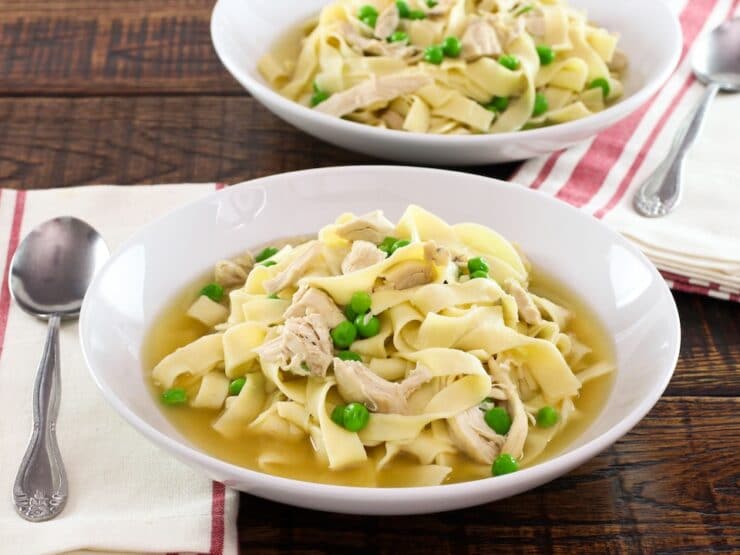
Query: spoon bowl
(54, 265)
(49, 276)
(716, 59)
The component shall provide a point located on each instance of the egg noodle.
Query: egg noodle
(451, 66)
(454, 356)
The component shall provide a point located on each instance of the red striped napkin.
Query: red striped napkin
(697, 247)
(125, 495)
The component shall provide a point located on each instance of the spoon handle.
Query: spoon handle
(661, 192)
(40, 489)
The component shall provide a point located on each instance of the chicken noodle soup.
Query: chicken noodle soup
(380, 354)
(449, 66)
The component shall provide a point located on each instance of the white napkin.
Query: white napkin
(697, 247)
(125, 494)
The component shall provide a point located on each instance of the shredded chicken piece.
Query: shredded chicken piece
(409, 273)
(528, 311)
(393, 119)
(618, 62)
(357, 383)
(474, 437)
(372, 227)
(375, 47)
(229, 274)
(387, 22)
(517, 434)
(303, 347)
(372, 91)
(245, 260)
(439, 255)
(233, 272)
(294, 271)
(480, 39)
(362, 255)
(309, 300)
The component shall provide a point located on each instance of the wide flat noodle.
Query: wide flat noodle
(365, 77)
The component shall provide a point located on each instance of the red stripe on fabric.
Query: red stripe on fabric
(588, 176)
(640, 158)
(218, 530)
(220, 186)
(15, 233)
(546, 169)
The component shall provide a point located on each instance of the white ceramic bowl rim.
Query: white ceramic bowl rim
(535, 475)
(626, 105)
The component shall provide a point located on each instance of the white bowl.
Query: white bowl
(613, 277)
(243, 30)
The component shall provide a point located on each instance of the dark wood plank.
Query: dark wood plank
(86, 47)
(671, 484)
(57, 142)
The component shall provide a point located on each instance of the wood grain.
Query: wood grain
(630, 499)
(56, 142)
(111, 47)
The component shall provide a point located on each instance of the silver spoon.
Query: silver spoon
(716, 63)
(48, 278)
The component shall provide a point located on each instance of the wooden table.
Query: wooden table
(130, 91)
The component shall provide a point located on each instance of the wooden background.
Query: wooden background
(131, 92)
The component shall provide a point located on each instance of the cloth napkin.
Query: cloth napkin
(125, 495)
(697, 247)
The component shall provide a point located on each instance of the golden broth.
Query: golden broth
(174, 329)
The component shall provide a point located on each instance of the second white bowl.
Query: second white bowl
(244, 30)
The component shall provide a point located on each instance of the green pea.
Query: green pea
(348, 355)
(355, 417)
(213, 291)
(273, 296)
(487, 404)
(266, 253)
(268, 263)
(367, 325)
(399, 36)
(498, 104)
(174, 396)
(479, 274)
(417, 14)
(434, 54)
(403, 9)
(546, 54)
(498, 420)
(432, 3)
(368, 15)
(319, 97)
(451, 47)
(236, 385)
(509, 61)
(399, 245)
(504, 464)
(540, 105)
(547, 417)
(477, 264)
(344, 334)
(337, 415)
(360, 302)
(387, 244)
(603, 84)
(349, 313)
